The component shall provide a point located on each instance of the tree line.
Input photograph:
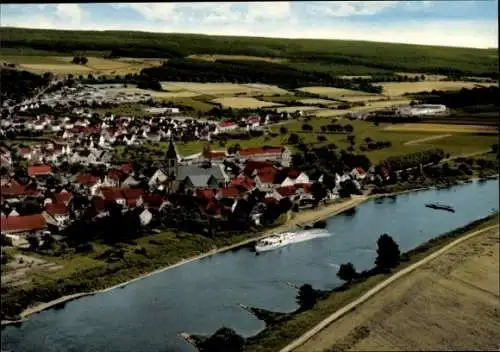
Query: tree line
(461, 98)
(19, 84)
(240, 71)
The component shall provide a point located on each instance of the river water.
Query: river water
(201, 296)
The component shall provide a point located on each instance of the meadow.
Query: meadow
(223, 89)
(243, 103)
(456, 144)
(400, 88)
(342, 94)
(61, 65)
(313, 101)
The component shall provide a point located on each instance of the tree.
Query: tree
(306, 297)
(293, 138)
(388, 253)
(494, 148)
(307, 127)
(347, 272)
(33, 242)
(6, 241)
(48, 241)
(223, 340)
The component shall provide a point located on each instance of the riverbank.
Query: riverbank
(279, 335)
(404, 188)
(301, 218)
(457, 286)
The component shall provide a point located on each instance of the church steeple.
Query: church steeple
(172, 151)
(172, 159)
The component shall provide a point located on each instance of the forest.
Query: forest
(367, 55)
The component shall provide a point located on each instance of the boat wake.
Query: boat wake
(283, 239)
(333, 265)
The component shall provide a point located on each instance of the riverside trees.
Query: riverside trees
(223, 340)
(388, 254)
(347, 272)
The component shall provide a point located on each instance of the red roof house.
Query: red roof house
(287, 191)
(63, 197)
(228, 192)
(38, 170)
(87, 180)
(248, 152)
(16, 224)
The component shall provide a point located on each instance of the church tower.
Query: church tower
(172, 160)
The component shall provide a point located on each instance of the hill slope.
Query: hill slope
(385, 56)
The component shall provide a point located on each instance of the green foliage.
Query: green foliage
(223, 340)
(6, 241)
(388, 253)
(306, 297)
(17, 85)
(434, 155)
(465, 98)
(239, 71)
(375, 57)
(347, 272)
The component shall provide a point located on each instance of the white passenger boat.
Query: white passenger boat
(282, 239)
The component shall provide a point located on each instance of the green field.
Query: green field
(334, 56)
(456, 144)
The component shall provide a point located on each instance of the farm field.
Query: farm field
(450, 303)
(61, 65)
(429, 127)
(236, 57)
(328, 113)
(353, 77)
(342, 94)
(164, 95)
(313, 101)
(223, 88)
(291, 109)
(243, 103)
(400, 88)
(454, 145)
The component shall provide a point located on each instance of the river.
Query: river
(201, 296)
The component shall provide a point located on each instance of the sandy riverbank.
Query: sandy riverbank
(302, 218)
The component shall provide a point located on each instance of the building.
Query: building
(22, 224)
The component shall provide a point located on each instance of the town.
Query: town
(236, 191)
(51, 173)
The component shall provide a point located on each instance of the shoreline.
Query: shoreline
(299, 219)
(305, 217)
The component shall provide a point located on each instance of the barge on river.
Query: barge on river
(440, 206)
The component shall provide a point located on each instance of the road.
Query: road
(341, 312)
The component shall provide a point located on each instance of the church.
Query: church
(175, 174)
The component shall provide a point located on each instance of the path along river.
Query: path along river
(201, 296)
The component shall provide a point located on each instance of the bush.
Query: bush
(6, 241)
(84, 248)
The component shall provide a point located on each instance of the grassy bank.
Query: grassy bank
(278, 335)
(95, 271)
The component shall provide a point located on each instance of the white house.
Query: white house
(291, 181)
(158, 177)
